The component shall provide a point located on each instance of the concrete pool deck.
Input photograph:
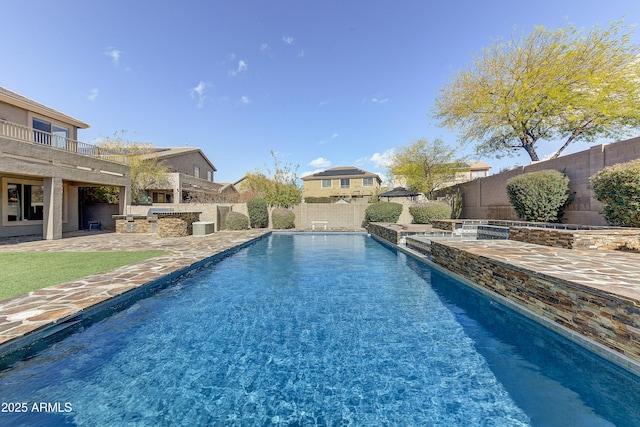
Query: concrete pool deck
(27, 313)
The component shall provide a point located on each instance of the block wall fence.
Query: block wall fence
(486, 198)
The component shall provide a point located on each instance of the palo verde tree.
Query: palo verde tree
(147, 171)
(550, 85)
(425, 165)
(279, 188)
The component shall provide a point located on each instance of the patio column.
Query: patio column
(124, 199)
(52, 220)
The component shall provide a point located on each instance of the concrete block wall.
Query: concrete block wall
(486, 198)
(338, 216)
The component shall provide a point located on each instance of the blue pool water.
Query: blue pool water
(303, 330)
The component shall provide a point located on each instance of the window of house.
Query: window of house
(196, 171)
(210, 176)
(48, 133)
(326, 183)
(345, 182)
(478, 174)
(25, 202)
(367, 182)
(161, 197)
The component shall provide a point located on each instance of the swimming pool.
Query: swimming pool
(316, 329)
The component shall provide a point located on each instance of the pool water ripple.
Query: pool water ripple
(294, 330)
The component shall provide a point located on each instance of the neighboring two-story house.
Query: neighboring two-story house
(468, 171)
(42, 166)
(343, 182)
(191, 178)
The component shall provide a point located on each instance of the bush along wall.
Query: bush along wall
(258, 213)
(430, 211)
(283, 219)
(617, 187)
(539, 196)
(382, 212)
(237, 221)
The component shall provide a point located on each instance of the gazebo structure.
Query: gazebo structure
(400, 192)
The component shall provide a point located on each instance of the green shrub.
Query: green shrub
(283, 219)
(425, 213)
(258, 213)
(539, 196)
(382, 212)
(618, 189)
(237, 221)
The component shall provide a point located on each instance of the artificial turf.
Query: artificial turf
(28, 271)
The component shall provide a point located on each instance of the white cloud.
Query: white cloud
(93, 94)
(287, 40)
(320, 162)
(265, 49)
(301, 54)
(324, 141)
(376, 100)
(114, 54)
(244, 100)
(242, 67)
(382, 160)
(323, 103)
(199, 91)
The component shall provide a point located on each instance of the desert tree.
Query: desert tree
(559, 86)
(425, 165)
(147, 170)
(278, 187)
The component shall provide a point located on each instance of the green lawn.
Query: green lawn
(25, 272)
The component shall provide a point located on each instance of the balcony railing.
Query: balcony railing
(34, 136)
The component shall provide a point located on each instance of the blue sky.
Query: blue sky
(321, 83)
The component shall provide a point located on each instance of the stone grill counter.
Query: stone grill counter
(164, 224)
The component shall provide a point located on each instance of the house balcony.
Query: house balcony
(29, 135)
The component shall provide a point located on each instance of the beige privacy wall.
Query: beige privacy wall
(486, 198)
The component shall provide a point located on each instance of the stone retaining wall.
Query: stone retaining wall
(447, 224)
(609, 239)
(389, 232)
(134, 224)
(605, 318)
(177, 225)
(169, 224)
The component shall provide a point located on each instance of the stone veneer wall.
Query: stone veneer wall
(449, 225)
(385, 231)
(604, 318)
(171, 224)
(180, 225)
(132, 224)
(608, 239)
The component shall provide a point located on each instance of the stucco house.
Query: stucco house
(341, 182)
(468, 171)
(42, 167)
(191, 178)
(472, 170)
